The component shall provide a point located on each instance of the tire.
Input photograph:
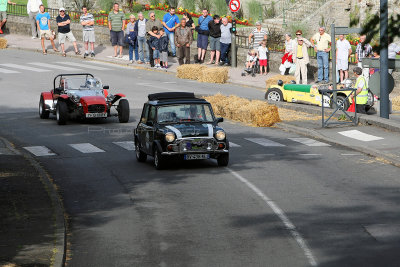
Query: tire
(159, 160)
(123, 111)
(43, 114)
(140, 156)
(61, 112)
(223, 160)
(274, 94)
(340, 100)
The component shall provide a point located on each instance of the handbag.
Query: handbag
(292, 69)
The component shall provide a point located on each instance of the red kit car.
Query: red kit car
(81, 96)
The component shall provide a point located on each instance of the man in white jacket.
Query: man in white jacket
(33, 9)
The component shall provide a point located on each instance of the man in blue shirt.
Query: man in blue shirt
(170, 22)
(202, 37)
(43, 24)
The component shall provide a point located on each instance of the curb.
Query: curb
(392, 159)
(59, 250)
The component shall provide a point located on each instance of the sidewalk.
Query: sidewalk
(32, 222)
(104, 53)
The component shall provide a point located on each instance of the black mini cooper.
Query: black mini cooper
(182, 126)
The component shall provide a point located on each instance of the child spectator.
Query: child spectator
(155, 46)
(262, 56)
(251, 59)
(163, 45)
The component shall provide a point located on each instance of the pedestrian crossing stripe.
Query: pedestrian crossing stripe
(23, 67)
(86, 148)
(231, 144)
(8, 71)
(52, 66)
(265, 142)
(74, 64)
(358, 135)
(309, 141)
(40, 151)
(128, 145)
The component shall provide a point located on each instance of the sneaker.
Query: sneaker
(77, 53)
(34, 37)
(139, 61)
(221, 63)
(227, 64)
(131, 61)
(92, 54)
(155, 67)
(85, 55)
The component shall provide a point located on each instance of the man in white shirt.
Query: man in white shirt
(393, 50)
(343, 52)
(32, 8)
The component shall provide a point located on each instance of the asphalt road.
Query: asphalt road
(277, 204)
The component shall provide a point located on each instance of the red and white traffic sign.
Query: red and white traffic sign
(234, 5)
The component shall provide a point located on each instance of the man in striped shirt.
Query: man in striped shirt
(116, 24)
(87, 21)
(363, 50)
(258, 34)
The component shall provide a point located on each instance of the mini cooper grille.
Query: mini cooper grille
(96, 108)
(197, 145)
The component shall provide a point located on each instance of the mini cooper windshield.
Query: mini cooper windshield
(185, 112)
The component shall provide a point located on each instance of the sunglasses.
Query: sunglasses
(62, 11)
(298, 33)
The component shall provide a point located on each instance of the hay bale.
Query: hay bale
(274, 80)
(255, 112)
(189, 71)
(214, 75)
(396, 103)
(3, 43)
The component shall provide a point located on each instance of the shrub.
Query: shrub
(135, 7)
(204, 4)
(106, 4)
(271, 11)
(173, 3)
(255, 9)
(78, 4)
(154, 2)
(220, 7)
(189, 5)
(293, 27)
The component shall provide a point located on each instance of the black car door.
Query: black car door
(141, 127)
(150, 129)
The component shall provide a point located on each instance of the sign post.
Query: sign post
(234, 6)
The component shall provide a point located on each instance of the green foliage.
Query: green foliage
(270, 12)
(220, 7)
(106, 4)
(78, 4)
(135, 7)
(355, 16)
(173, 3)
(294, 27)
(154, 2)
(189, 5)
(204, 4)
(255, 9)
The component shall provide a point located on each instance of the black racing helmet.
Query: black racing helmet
(280, 82)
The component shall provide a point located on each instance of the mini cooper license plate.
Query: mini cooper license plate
(96, 115)
(196, 156)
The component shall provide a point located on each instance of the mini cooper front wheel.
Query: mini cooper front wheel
(123, 111)
(140, 156)
(62, 113)
(43, 113)
(274, 94)
(159, 160)
(223, 160)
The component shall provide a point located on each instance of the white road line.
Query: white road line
(351, 154)
(23, 67)
(52, 66)
(40, 151)
(128, 145)
(308, 141)
(231, 144)
(8, 71)
(264, 142)
(82, 65)
(310, 154)
(288, 224)
(356, 134)
(169, 82)
(86, 148)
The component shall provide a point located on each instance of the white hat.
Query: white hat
(62, 9)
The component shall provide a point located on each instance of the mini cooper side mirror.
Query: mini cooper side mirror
(106, 87)
(220, 119)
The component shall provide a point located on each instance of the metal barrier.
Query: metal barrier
(329, 93)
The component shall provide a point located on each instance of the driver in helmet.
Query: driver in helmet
(193, 113)
(92, 83)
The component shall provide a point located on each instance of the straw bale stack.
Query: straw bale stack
(255, 112)
(396, 103)
(214, 75)
(274, 79)
(3, 43)
(190, 71)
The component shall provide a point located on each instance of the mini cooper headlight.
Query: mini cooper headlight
(170, 137)
(220, 135)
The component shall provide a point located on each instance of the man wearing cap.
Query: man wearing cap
(322, 48)
(301, 59)
(258, 34)
(362, 91)
(64, 31)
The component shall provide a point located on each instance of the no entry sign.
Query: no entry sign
(234, 5)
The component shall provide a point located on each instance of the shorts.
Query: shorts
(202, 41)
(63, 36)
(3, 15)
(215, 44)
(117, 38)
(88, 36)
(45, 34)
(164, 56)
(342, 64)
(156, 54)
(263, 62)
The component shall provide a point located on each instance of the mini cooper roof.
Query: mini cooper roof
(174, 98)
